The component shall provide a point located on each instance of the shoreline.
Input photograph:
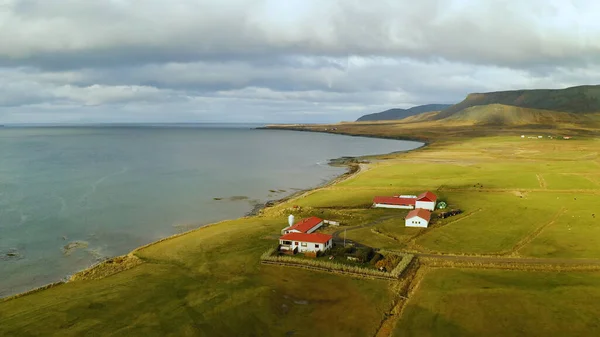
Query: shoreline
(285, 127)
(353, 168)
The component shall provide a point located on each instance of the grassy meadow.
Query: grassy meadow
(206, 283)
(520, 197)
(468, 302)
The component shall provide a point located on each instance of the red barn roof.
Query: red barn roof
(306, 224)
(421, 213)
(303, 237)
(427, 196)
(395, 201)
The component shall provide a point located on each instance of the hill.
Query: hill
(392, 114)
(499, 114)
(580, 100)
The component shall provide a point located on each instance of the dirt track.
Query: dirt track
(512, 260)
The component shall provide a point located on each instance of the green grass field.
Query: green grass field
(207, 283)
(520, 197)
(455, 302)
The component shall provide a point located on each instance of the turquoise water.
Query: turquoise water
(116, 188)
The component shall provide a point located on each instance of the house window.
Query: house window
(296, 243)
(304, 244)
(286, 243)
(316, 246)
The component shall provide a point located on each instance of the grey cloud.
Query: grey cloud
(261, 60)
(100, 33)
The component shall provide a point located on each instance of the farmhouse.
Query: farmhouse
(302, 242)
(307, 226)
(394, 202)
(418, 218)
(426, 200)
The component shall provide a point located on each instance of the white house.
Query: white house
(307, 225)
(418, 218)
(394, 202)
(302, 242)
(426, 200)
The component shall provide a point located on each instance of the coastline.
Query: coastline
(353, 165)
(286, 127)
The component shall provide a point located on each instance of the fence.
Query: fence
(269, 258)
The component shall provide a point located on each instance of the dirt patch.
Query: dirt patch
(520, 194)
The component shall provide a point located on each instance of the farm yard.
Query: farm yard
(520, 201)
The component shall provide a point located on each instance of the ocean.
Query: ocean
(71, 196)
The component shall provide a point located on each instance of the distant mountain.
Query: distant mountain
(392, 114)
(576, 100)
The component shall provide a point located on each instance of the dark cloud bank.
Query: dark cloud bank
(279, 61)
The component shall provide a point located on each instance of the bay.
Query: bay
(104, 190)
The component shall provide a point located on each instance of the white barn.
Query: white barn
(427, 201)
(305, 242)
(418, 218)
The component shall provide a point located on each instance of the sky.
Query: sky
(88, 61)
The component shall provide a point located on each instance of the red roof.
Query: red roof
(303, 237)
(427, 196)
(421, 213)
(306, 224)
(395, 201)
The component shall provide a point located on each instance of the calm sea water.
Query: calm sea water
(116, 188)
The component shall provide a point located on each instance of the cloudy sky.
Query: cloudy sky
(280, 60)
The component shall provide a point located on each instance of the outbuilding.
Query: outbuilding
(418, 218)
(307, 226)
(426, 200)
(394, 202)
(302, 242)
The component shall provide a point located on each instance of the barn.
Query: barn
(394, 202)
(418, 218)
(302, 242)
(307, 225)
(426, 200)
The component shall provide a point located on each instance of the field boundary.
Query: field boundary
(505, 265)
(333, 267)
(403, 290)
(329, 270)
(412, 242)
(531, 236)
(541, 181)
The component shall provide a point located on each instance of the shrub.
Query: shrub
(364, 254)
(376, 258)
(348, 250)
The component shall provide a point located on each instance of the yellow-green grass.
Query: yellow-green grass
(389, 234)
(339, 197)
(206, 283)
(493, 222)
(413, 177)
(575, 234)
(455, 302)
(564, 181)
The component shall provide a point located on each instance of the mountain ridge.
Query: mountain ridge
(397, 113)
(578, 100)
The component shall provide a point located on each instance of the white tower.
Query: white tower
(291, 219)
